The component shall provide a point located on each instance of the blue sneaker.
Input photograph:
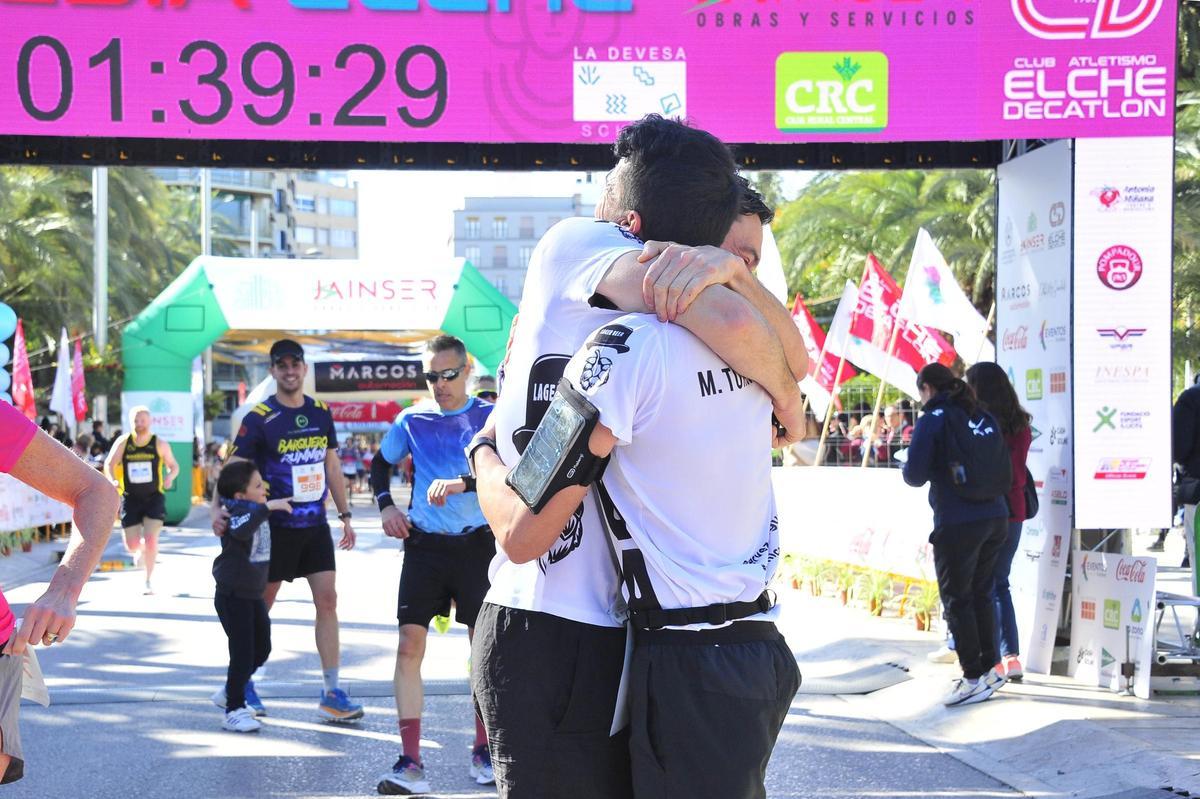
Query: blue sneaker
(335, 705)
(252, 700)
(407, 778)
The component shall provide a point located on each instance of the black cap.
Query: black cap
(285, 348)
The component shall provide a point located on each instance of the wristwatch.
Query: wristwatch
(478, 441)
(344, 515)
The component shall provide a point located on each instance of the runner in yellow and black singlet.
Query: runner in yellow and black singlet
(137, 464)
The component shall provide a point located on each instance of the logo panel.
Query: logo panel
(831, 92)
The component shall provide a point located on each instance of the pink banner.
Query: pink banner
(577, 70)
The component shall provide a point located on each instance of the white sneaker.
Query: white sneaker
(943, 655)
(241, 720)
(406, 778)
(218, 699)
(149, 590)
(962, 690)
(995, 678)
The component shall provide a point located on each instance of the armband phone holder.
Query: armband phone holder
(558, 456)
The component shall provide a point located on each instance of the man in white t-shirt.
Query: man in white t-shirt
(550, 640)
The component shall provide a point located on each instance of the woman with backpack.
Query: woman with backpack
(958, 449)
(996, 394)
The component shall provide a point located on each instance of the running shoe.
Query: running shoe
(406, 778)
(964, 690)
(148, 590)
(1012, 668)
(241, 720)
(943, 655)
(995, 677)
(335, 705)
(252, 700)
(218, 699)
(481, 766)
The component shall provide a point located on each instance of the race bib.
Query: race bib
(140, 472)
(308, 482)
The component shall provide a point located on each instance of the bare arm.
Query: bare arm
(168, 457)
(521, 533)
(53, 470)
(337, 487)
(778, 317)
(114, 457)
(731, 327)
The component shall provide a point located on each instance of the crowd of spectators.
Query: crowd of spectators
(851, 433)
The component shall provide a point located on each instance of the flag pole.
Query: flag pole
(817, 377)
(991, 320)
(887, 365)
(837, 384)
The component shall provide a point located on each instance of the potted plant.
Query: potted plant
(27, 539)
(879, 591)
(6, 544)
(789, 570)
(843, 579)
(925, 605)
(813, 573)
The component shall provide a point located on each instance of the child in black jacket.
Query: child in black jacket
(241, 574)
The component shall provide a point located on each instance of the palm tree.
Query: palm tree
(825, 235)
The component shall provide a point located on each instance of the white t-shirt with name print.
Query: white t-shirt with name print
(691, 472)
(576, 579)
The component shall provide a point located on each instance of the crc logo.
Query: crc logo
(1111, 19)
(831, 91)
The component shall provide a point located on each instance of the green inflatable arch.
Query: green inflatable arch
(215, 295)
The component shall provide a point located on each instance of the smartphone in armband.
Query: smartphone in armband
(558, 456)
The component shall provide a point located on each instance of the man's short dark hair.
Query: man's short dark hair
(446, 344)
(681, 180)
(754, 203)
(235, 478)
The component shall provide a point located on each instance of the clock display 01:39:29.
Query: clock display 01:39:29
(216, 102)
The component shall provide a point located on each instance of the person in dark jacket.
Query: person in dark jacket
(1185, 449)
(241, 574)
(996, 395)
(967, 535)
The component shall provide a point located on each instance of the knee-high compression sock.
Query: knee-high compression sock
(410, 738)
(480, 732)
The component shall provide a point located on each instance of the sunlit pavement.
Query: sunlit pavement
(132, 715)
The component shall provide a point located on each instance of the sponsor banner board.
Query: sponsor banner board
(372, 375)
(365, 412)
(548, 71)
(170, 413)
(1033, 323)
(1112, 619)
(1122, 335)
(322, 295)
(22, 507)
(889, 531)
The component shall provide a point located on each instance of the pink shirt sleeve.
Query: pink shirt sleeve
(15, 434)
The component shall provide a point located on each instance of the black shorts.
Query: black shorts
(300, 551)
(440, 568)
(546, 690)
(703, 698)
(135, 508)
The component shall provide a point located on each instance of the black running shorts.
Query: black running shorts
(300, 551)
(440, 568)
(135, 509)
(546, 689)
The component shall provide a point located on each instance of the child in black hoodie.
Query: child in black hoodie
(241, 574)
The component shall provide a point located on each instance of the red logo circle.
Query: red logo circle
(1119, 267)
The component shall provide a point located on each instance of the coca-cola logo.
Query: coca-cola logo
(1016, 339)
(1131, 571)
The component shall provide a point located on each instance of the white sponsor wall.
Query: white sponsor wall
(865, 517)
(1123, 196)
(1033, 344)
(1112, 619)
(22, 507)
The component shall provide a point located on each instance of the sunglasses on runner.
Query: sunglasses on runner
(445, 374)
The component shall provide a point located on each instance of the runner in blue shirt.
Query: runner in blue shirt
(447, 543)
(290, 438)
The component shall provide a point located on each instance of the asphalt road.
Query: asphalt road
(131, 715)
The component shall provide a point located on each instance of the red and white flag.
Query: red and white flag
(22, 385)
(877, 314)
(78, 385)
(818, 384)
